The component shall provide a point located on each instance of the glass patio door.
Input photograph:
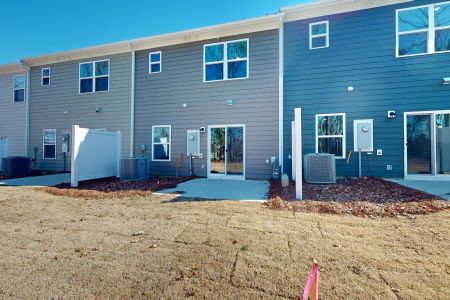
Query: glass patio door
(227, 154)
(418, 133)
(428, 143)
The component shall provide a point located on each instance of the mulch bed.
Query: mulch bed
(113, 187)
(366, 197)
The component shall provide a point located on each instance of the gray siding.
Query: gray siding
(159, 99)
(48, 104)
(361, 54)
(12, 116)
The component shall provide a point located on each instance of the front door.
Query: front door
(226, 151)
(427, 140)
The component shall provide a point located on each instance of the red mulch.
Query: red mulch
(369, 197)
(115, 188)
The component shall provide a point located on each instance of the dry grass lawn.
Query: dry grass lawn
(74, 248)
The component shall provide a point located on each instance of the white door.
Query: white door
(3, 150)
(226, 151)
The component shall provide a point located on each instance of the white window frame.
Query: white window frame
(93, 77)
(431, 30)
(326, 35)
(343, 136)
(225, 60)
(24, 88)
(150, 63)
(169, 143)
(44, 144)
(43, 77)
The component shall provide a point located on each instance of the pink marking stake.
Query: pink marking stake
(312, 283)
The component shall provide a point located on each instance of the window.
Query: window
(330, 134)
(49, 142)
(226, 61)
(423, 30)
(161, 142)
(319, 36)
(19, 88)
(45, 76)
(154, 59)
(94, 76)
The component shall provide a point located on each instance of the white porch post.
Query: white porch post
(298, 155)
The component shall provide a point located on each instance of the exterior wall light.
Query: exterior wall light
(446, 81)
(184, 105)
(231, 102)
(350, 89)
(98, 109)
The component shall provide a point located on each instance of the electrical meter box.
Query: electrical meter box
(65, 145)
(193, 142)
(363, 135)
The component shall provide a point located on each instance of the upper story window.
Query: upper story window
(226, 61)
(319, 35)
(423, 29)
(45, 76)
(94, 76)
(19, 88)
(330, 134)
(155, 62)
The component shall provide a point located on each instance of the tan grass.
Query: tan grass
(145, 247)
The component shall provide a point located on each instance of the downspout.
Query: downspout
(132, 98)
(281, 93)
(27, 105)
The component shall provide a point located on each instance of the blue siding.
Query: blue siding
(362, 55)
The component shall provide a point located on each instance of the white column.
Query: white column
(298, 155)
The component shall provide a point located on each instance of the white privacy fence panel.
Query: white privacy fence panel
(3, 150)
(96, 154)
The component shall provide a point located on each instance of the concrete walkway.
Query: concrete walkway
(437, 188)
(45, 180)
(222, 189)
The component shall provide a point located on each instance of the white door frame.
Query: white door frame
(225, 176)
(433, 175)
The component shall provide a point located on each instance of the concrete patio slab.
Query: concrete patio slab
(437, 188)
(45, 180)
(222, 189)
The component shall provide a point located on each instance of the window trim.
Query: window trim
(94, 77)
(44, 144)
(43, 77)
(150, 63)
(169, 143)
(24, 88)
(312, 36)
(343, 136)
(431, 31)
(225, 61)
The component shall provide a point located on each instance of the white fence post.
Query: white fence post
(293, 150)
(119, 152)
(298, 155)
(75, 148)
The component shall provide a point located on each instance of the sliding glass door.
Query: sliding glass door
(427, 137)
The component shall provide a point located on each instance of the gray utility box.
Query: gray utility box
(16, 166)
(320, 168)
(135, 168)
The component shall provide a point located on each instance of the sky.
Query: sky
(36, 27)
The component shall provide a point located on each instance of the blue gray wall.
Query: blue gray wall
(12, 116)
(159, 100)
(361, 54)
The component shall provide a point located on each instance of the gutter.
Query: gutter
(26, 67)
(281, 93)
(132, 97)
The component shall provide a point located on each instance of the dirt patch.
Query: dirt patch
(151, 248)
(366, 197)
(115, 188)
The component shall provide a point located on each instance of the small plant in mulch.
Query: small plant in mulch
(115, 188)
(370, 197)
